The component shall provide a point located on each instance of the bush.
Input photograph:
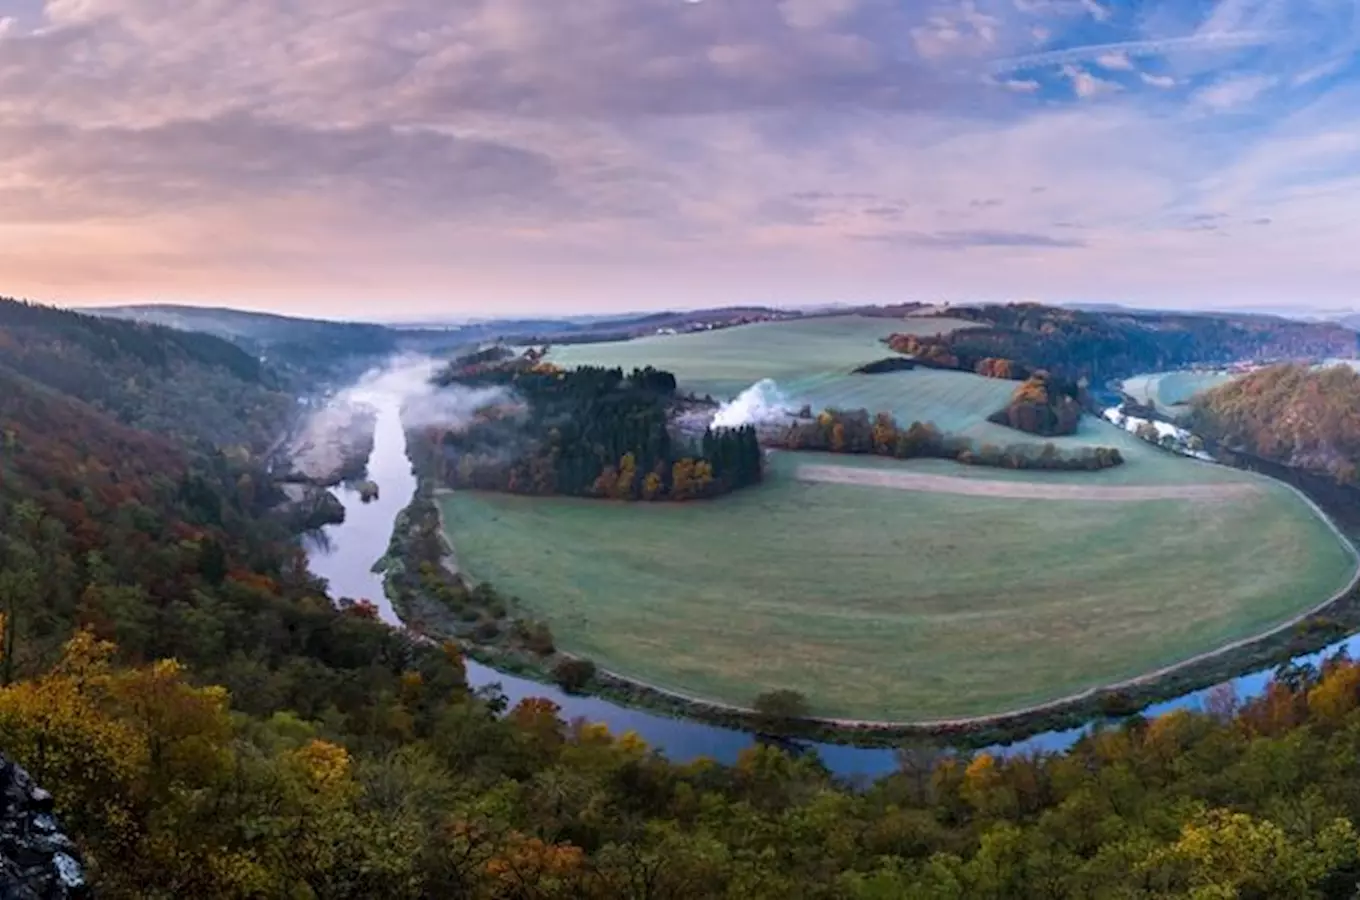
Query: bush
(779, 709)
(574, 674)
(536, 636)
(1117, 704)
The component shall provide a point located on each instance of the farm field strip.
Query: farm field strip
(1020, 490)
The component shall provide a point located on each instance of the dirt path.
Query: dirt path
(1021, 490)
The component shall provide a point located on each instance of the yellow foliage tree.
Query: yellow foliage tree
(1337, 694)
(682, 479)
(627, 477)
(652, 486)
(703, 477)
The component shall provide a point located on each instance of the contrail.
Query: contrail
(1223, 40)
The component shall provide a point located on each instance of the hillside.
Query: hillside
(1107, 345)
(320, 349)
(194, 387)
(304, 348)
(1293, 414)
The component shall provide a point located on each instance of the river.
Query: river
(345, 554)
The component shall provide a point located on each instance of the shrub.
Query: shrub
(536, 636)
(778, 709)
(1117, 704)
(574, 674)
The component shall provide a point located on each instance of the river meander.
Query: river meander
(347, 552)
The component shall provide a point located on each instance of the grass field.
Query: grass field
(729, 360)
(898, 605)
(813, 360)
(1171, 392)
(959, 403)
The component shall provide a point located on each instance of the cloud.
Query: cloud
(1085, 85)
(1214, 41)
(190, 163)
(420, 60)
(964, 31)
(1318, 72)
(1097, 11)
(482, 154)
(1231, 93)
(962, 240)
(1115, 61)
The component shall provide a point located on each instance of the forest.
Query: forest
(1292, 414)
(856, 431)
(190, 386)
(1015, 340)
(213, 725)
(589, 432)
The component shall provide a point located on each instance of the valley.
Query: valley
(867, 584)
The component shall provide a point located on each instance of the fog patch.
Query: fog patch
(408, 382)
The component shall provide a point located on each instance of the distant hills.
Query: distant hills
(315, 348)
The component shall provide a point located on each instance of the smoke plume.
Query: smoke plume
(759, 404)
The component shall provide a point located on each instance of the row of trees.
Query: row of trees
(856, 431)
(587, 432)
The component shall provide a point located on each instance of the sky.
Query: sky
(394, 158)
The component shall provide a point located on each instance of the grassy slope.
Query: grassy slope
(1171, 391)
(959, 403)
(726, 361)
(898, 605)
(812, 360)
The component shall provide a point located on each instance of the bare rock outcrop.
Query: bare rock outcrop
(37, 860)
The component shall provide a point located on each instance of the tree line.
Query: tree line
(590, 432)
(856, 431)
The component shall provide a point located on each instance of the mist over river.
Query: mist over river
(344, 555)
